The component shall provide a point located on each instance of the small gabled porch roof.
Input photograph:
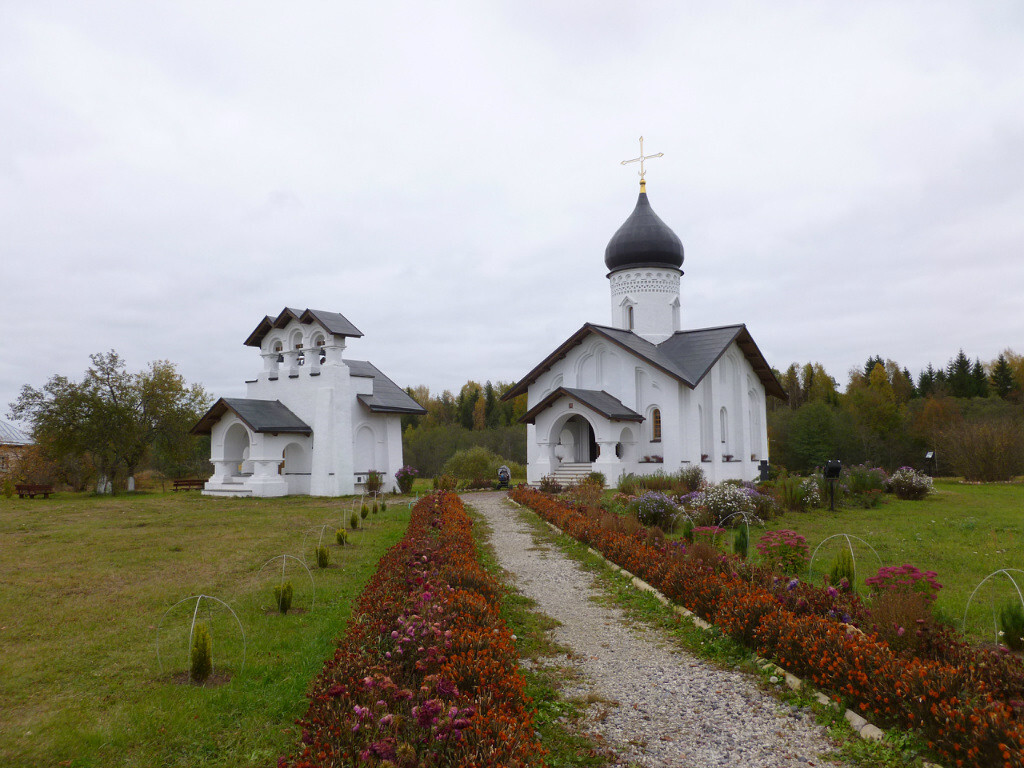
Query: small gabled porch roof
(598, 401)
(258, 415)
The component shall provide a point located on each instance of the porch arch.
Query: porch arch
(575, 438)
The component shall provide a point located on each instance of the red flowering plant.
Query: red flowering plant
(427, 673)
(784, 551)
(905, 578)
(962, 711)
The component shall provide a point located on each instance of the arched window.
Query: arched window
(629, 318)
(656, 425)
(725, 424)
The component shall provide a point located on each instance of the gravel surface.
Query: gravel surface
(655, 705)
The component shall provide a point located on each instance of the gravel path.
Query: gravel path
(655, 705)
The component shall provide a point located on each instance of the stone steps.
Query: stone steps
(569, 473)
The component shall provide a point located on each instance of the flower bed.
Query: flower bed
(427, 673)
(956, 706)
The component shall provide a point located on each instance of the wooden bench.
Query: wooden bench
(189, 485)
(32, 490)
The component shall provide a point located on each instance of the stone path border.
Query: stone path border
(860, 725)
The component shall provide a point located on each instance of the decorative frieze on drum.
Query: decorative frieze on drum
(644, 282)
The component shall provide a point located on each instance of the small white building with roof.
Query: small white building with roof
(312, 421)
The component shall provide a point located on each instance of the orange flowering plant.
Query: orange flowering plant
(968, 702)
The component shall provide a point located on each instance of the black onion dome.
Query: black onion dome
(643, 240)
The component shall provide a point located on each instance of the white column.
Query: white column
(291, 362)
(270, 364)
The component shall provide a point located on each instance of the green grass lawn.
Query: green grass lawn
(84, 583)
(962, 532)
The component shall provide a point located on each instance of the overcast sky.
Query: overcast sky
(847, 178)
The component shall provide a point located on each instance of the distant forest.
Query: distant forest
(969, 414)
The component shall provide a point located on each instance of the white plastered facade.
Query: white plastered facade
(718, 425)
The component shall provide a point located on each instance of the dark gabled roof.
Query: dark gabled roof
(387, 396)
(258, 415)
(596, 400)
(686, 356)
(332, 322)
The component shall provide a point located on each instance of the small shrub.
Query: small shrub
(364, 511)
(202, 654)
(900, 618)
(8, 488)
(905, 578)
(741, 542)
(861, 479)
(687, 531)
(784, 551)
(597, 478)
(548, 484)
(373, 508)
(654, 508)
(586, 494)
(842, 567)
(405, 477)
(353, 521)
(374, 481)
(323, 557)
(813, 491)
(799, 494)
(472, 463)
(283, 596)
(383, 505)
(691, 479)
(445, 482)
(341, 536)
(629, 484)
(909, 484)
(717, 502)
(1011, 625)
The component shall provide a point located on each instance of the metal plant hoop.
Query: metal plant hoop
(849, 546)
(192, 628)
(284, 562)
(1016, 586)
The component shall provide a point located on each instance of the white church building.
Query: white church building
(641, 394)
(312, 422)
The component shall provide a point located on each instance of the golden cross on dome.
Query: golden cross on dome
(641, 160)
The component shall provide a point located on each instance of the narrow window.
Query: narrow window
(629, 318)
(725, 424)
(656, 426)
